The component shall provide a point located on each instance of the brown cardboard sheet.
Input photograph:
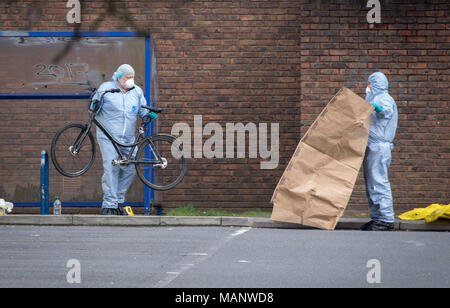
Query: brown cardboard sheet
(318, 182)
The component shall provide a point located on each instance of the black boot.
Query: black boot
(367, 225)
(109, 211)
(121, 210)
(381, 226)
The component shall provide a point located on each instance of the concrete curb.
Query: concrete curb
(225, 221)
(98, 220)
(191, 220)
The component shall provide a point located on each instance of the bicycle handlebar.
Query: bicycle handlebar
(112, 91)
(97, 103)
(153, 109)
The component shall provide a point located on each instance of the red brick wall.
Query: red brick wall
(279, 61)
(411, 46)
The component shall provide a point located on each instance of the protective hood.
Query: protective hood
(384, 122)
(379, 82)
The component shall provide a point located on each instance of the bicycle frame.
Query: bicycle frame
(123, 159)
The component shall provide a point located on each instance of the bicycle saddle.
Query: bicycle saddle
(154, 109)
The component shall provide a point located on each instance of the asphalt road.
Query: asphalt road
(216, 257)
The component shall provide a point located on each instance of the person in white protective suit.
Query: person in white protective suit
(378, 154)
(118, 115)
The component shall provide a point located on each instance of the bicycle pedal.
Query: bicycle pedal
(118, 162)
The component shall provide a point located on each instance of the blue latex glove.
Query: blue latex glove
(95, 105)
(378, 108)
(152, 115)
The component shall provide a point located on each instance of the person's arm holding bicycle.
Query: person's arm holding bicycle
(97, 99)
(145, 112)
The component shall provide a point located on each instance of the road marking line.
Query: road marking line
(240, 231)
(244, 261)
(190, 260)
(196, 254)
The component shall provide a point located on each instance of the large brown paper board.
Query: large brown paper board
(317, 184)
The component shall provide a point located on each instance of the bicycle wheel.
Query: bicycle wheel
(169, 170)
(72, 150)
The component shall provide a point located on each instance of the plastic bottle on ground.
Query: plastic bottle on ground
(57, 208)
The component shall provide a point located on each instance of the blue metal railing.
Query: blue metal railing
(44, 183)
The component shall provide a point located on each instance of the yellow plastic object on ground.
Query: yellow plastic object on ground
(429, 214)
(129, 210)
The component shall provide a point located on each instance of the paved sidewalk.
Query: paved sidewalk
(225, 221)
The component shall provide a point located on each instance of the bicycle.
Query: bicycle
(73, 150)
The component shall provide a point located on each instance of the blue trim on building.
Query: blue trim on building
(25, 96)
(148, 192)
(71, 33)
